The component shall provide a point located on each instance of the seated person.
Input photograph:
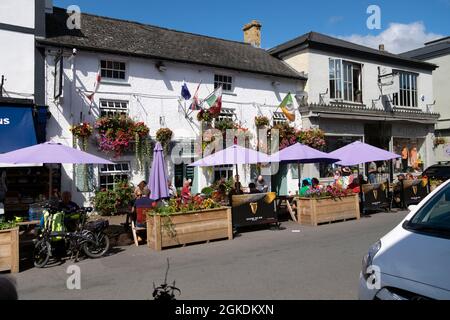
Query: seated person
(355, 186)
(141, 206)
(361, 179)
(316, 184)
(398, 190)
(70, 209)
(186, 192)
(66, 204)
(252, 189)
(306, 186)
(142, 190)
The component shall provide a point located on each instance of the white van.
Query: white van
(412, 262)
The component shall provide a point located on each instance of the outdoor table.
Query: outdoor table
(254, 209)
(289, 203)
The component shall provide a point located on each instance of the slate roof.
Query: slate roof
(327, 43)
(102, 34)
(432, 49)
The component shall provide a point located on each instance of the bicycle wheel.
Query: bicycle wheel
(42, 253)
(99, 247)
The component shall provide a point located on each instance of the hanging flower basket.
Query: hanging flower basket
(82, 133)
(164, 136)
(262, 122)
(116, 135)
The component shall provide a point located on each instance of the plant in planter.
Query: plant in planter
(262, 122)
(108, 202)
(82, 133)
(332, 192)
(7, 225)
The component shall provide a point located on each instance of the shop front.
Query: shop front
(22, 124)
(406, 133)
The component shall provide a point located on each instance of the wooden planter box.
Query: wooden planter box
(191, 227)
(9, 250)
(313, 212)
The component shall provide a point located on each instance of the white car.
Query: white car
(412, 262)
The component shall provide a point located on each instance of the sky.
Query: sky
(405, 24)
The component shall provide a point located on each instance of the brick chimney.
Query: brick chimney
(381, 47)
(252, 33)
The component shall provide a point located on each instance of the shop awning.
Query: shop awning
(16, 128)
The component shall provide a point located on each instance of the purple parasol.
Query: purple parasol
(358, 153)
(299, 153)
(158, 175)
(50, 153)
(234, 155)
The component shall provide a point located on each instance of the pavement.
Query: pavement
(297, 263)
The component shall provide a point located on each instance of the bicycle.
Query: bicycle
(89, 238)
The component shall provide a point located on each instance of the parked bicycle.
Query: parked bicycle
(89, 238)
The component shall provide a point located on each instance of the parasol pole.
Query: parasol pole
(299, 166)
(50, 182)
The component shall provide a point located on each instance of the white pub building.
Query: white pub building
(142, 70)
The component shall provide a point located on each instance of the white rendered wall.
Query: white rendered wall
(153, 97)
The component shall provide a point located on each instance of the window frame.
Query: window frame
(109, 173)
(278, 118)
(224, 83)
(341, 73)
(115, 111)
(113, 69)
(408, 95)
(227, 114)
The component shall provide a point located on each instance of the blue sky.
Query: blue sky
(405, 24)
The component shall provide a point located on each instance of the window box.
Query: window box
(190, 227)
(9, 250)
(313, 212)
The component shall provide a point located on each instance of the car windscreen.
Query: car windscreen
(434, 217)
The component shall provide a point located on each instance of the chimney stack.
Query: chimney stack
(381, 47)
(252, 33)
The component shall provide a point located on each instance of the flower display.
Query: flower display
(314, 138)
(261, 122)
(115, 134)
(331, 191)
(164, 136)
(196, 203)
(82, 132)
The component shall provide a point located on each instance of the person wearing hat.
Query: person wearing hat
(347, 177)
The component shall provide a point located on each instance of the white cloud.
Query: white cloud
(397, 38)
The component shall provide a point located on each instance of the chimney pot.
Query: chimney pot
(252, 33)
(381, 47)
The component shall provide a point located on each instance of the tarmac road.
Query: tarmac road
(316, 263)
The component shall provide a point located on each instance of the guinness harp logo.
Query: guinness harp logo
(254, 207)
(375, 194)
(414, 189)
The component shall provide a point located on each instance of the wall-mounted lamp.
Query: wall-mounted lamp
(160, 66)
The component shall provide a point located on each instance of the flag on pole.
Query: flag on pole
(185, 92)
(195, 101)
(96, 87)
(215, 101)
(288, 108)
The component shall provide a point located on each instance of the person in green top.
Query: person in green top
(306, 186)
